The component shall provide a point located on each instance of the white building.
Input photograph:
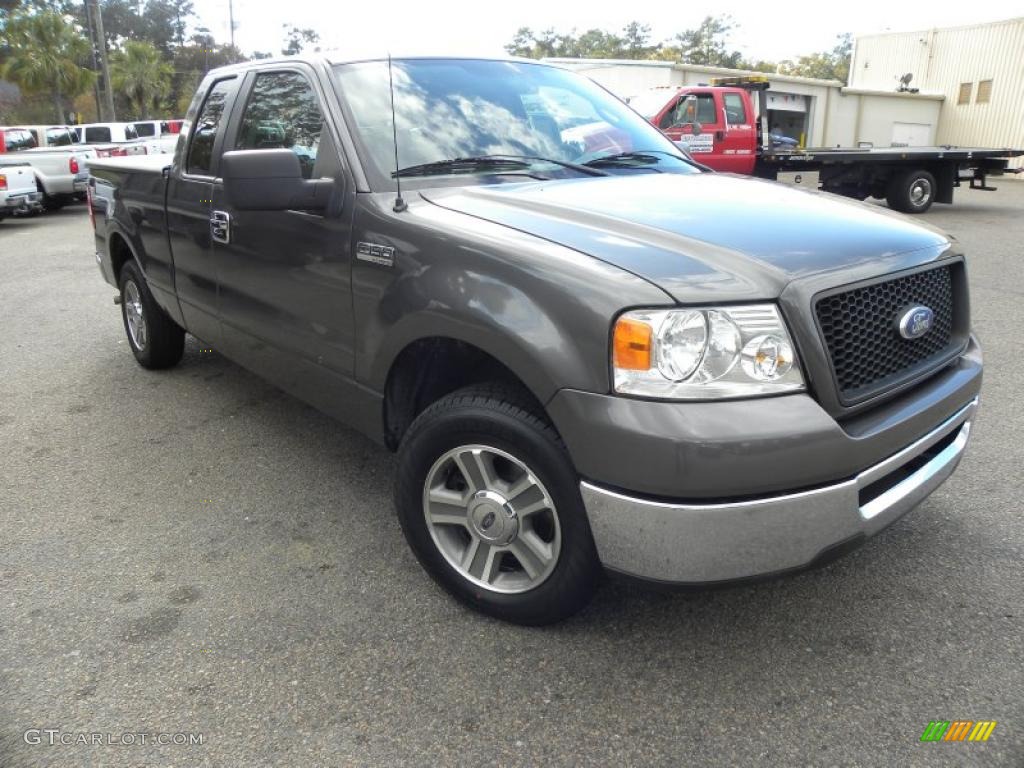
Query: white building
(821, 113)
(979, 70)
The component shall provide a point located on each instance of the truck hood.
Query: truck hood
(738, 238)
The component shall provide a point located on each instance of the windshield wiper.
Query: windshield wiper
(492, 163)
(462, 165)
(580, 167)
(646, 157)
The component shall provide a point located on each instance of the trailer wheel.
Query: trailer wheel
(911, 191)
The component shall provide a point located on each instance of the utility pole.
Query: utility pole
(95, 62)
(231, 20)
(95, 15)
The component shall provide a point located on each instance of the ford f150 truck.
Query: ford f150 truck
(580, 353)
(721, 127)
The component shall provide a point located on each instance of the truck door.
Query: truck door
(716, 125)
(189, 200)
(693, 120)
(285, 276)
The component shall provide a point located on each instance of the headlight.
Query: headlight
(698, 354)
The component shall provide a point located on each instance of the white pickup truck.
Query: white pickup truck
(61, 173)
(117, 140)
(18, 193)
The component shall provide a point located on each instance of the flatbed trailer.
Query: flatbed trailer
(724, 127)
(910, 178)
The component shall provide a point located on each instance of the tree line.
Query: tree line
(708, 44)
(157, 51)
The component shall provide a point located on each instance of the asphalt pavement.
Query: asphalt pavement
(193, 555)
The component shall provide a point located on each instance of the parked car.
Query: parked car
(112, 139)
(159, 137)
(585, 350)
(18, 193)
(61, 173)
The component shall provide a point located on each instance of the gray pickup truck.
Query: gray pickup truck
(587, 352)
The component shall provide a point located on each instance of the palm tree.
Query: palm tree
(141, 74)
(43, 57)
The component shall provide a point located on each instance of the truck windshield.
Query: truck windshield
(650, 103)
(448, 109)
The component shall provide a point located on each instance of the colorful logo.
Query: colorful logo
(958, 730)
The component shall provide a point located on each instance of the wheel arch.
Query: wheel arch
(429, 367)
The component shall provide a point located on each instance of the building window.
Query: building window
(965, 93)
(984, 92)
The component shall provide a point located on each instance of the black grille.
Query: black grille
(861, 333)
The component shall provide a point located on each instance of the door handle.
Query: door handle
(220, 226)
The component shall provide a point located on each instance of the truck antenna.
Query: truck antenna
(400, 204)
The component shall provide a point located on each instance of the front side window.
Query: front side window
(451, 109)
(283, 113)
(204, 134)
(693, 108)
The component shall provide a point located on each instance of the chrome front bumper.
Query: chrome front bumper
(703, 543)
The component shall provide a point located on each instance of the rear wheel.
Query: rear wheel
(911, 191)
(489, 502)
(155, 339)
(53, 202)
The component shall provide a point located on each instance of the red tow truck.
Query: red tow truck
(722, 127)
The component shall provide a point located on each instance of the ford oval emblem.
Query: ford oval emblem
(916, 322)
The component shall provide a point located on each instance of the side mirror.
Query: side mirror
(271, 180)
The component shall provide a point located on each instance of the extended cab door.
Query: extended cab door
(285, 276)
(189, 203)
(716, 125)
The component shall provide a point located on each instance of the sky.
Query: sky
(766, 30)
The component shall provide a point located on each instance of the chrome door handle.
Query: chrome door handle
(220, 226)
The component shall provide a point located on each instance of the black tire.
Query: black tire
(503, 418)
(53, 202)
(164, 341)
(911, 191)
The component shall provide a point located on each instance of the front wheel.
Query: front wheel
(911, 191)
(156, 340)
(490, 504)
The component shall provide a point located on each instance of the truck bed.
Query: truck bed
(133, 163)
(830, 155)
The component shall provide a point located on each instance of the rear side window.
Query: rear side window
(735, 109)
(145, 129)
(204, 134)
(97, 134)
(283, 112)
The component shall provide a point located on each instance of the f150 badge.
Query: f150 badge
(916, 322)
(384, 255)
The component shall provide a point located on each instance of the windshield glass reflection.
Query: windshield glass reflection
(447, 109)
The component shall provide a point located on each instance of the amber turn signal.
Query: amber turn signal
(632, 345)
